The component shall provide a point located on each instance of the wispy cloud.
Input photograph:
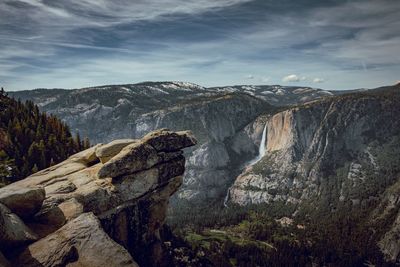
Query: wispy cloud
(293, 78)
(78, 43)
(105, 13)
(318, 80)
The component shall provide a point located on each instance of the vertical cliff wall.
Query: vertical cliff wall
(336, 154)
(307, 144)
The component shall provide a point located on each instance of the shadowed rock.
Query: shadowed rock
(81, 242)
(22, 201)
(167, 141)
(13, 231)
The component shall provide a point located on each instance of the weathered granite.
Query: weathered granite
(13, 231)
(108, 151)
(86, 213)
(81, 242)
(23, 201)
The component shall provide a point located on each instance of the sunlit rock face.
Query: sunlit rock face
(92, 210)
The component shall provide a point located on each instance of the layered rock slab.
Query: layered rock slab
(125, 199)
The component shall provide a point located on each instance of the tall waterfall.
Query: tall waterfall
(261, 153)
(261, 149)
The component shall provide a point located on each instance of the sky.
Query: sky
(79, 43)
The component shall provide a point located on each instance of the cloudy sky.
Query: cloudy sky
(78, 43)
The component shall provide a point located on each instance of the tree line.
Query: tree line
(31, 140)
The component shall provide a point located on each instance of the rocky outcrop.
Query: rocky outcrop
(386, 217)
(390, 244)
(107, 151)
(84, 212)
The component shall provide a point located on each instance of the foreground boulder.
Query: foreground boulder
(23, 201)
(82, 242)
(92, 211)
(13, 231)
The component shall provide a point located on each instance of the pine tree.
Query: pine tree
(86, 143)
(78, 142)
(35, 169)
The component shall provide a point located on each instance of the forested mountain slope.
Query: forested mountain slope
(31, 140)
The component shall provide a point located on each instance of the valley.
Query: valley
(199, 133)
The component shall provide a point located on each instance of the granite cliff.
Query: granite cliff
(337, 154)
(101, 207)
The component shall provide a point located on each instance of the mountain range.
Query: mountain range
(217, 116)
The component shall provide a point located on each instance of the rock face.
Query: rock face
(388, 210)
(86, 213)
(307, 144)
(389, 244)
(339, 153)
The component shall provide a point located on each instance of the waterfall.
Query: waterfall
(261, 149)
(227, 197)
(261, 153)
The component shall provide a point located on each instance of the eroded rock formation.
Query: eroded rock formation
(101, 207)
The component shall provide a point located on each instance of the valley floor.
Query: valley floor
(252, 236)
